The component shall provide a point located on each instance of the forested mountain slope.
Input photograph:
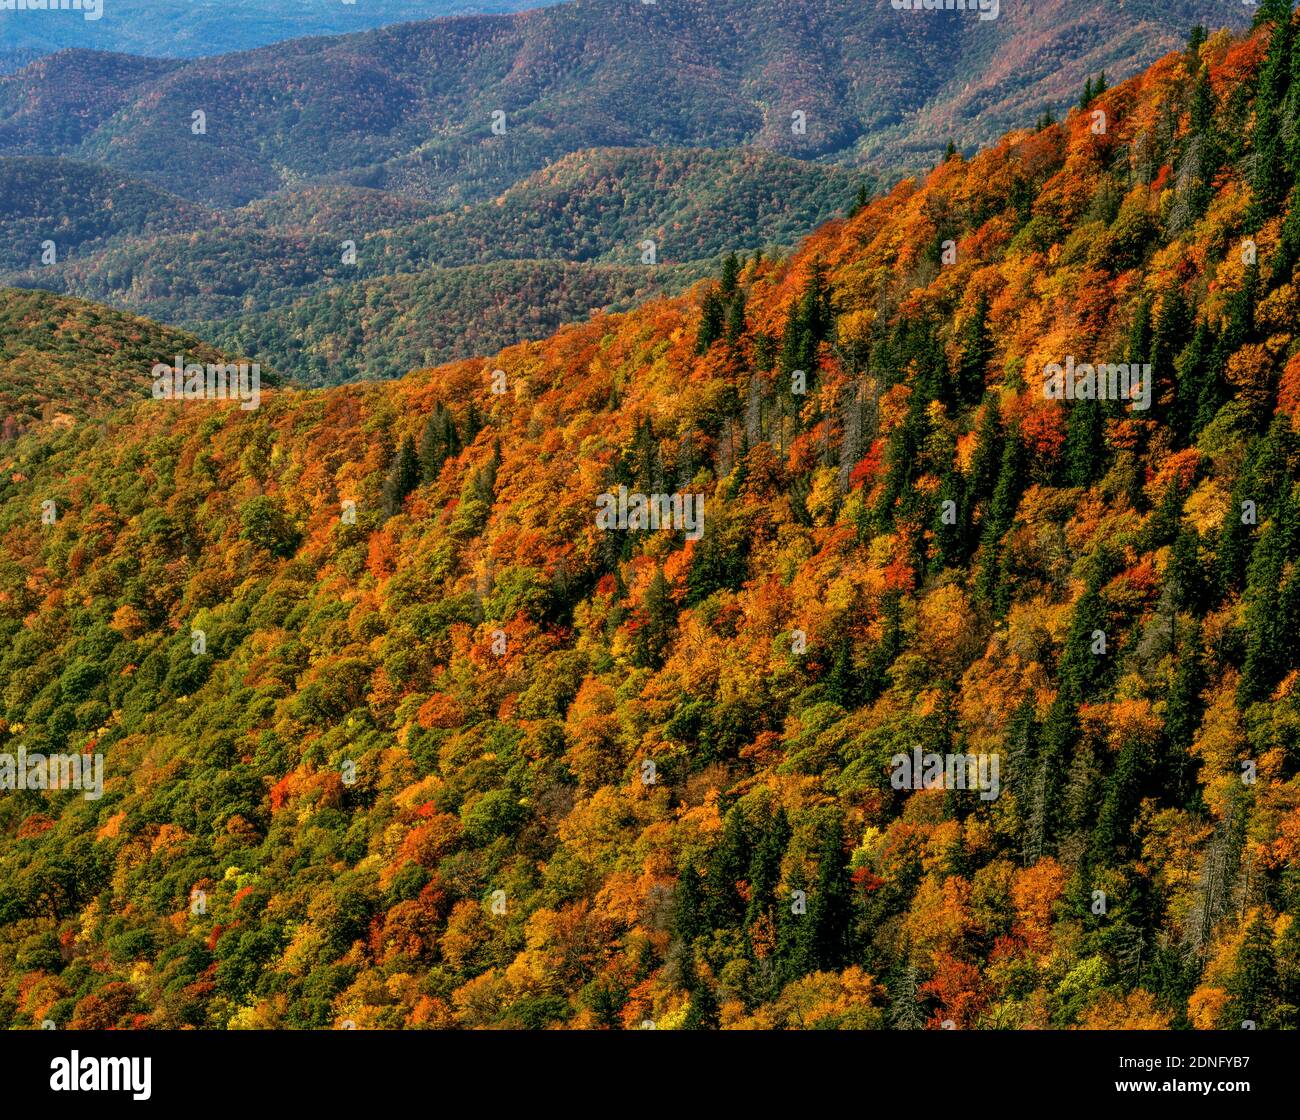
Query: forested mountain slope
(465, 753)
(418, 287)
(64, 359)
(410, 108)
(328, 201)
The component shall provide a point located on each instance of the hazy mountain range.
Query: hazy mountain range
(409, 108)
(228, 194)
(186, 28)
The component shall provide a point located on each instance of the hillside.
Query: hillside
(378, 329)
(79, 207)
(476, 757)
(409, 108)
(600, 204)
(11, 61)
(326, 210)
(49, 107)
(63, 360)
(273, 270)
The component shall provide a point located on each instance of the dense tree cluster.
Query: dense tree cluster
(465, 759)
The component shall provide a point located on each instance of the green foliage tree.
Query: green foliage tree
(439, 441)
(1252, 988)
(712, 321)
(976, 351)
(403, 477)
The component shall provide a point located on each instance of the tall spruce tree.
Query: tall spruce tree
(688, 919)
(1252, 987)
(403, 477)
(439, 441)
(1113, 834)
(1084, 667)
(730, 275)
(727, 866)
(829, 908)
(991, 585)
(1169, 339)
(764, 876)
(1270, 179)
(735, 319)
(654, 636)
(1084, 442)
(976, 351)
(1266, 643)
(712, 321)
(1183, 713)
(1195, 389)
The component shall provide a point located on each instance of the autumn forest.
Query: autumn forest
(895, 691)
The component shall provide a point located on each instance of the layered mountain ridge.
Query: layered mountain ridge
(410, 108)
